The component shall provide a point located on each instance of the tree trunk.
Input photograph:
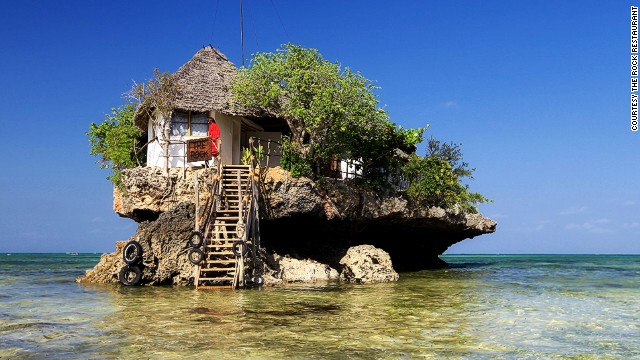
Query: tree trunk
(165, 148)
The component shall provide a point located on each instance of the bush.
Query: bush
(332, 112)
(116, 142)
(293, 160)
(433, 182)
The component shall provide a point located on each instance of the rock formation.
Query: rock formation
(164, 246)
(284, 269)
(367, 264)
(314, 223)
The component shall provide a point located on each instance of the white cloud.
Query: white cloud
(574, 210)
(629, 203)
(592, 226)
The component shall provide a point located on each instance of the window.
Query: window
(189, 123)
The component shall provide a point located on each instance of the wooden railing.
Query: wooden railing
(264, 152)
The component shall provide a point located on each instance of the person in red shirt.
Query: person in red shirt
(214, 135)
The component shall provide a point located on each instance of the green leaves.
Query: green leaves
(333, 114)
(115, 141)
(434, 182)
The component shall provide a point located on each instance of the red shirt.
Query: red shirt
(214, 134)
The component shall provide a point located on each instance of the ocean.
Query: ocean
(482, 307)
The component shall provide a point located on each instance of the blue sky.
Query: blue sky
(537, 93)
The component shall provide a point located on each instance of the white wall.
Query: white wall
(227, 126)
(230, 147)
(155, 155)
(154, 150)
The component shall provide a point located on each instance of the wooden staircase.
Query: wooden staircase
(225, 244)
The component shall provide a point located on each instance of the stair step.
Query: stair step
(223, 229)
(215, 287)
(223, 278)
(220, 253)
(218, 269)
(223, 241)
(230, 239)
(227, 246)
(226, 224)
(218, 261)
(228, 232)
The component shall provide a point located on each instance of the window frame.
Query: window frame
(188, 112)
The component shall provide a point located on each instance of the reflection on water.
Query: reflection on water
(482, 307)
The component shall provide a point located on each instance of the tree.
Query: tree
(333, 114)
(436, 179)
(450, 153)
(155, 101)
(116, 141)
(332, 111)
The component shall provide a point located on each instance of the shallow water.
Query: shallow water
(549, 306)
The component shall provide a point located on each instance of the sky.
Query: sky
(536, 92)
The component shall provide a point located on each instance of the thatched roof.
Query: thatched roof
(205, 83)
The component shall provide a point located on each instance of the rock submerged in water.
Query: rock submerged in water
(365, 264)
(284, 269)
(164, 251)
(314, 223)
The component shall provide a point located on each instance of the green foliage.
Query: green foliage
(115, 141)
(450, 153)
(333, 114)
(293, 160)
(246, 156)
(258, 155)
(434, 182)
(332, 111)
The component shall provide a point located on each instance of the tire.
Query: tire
(196, 239)
(195, 256)
(240, 248)
(130, 275)
(132, 253)
(257, 280)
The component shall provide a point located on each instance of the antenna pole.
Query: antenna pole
(242, 33)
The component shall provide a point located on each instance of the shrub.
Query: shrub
(116, 142)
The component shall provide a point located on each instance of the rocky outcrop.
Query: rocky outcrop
(367, 264)
(315, 221)
(146, 193)
(331, 216)
(164, 246)
(284, 269)
(164, 261)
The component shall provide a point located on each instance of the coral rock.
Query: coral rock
(367, 264)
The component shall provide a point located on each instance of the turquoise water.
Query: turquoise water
(483, 307)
